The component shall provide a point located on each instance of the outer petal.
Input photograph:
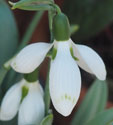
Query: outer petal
(11, 102)
(40, 89)
(30, 57)
(90, 61)
(65, 80)
(32, 109)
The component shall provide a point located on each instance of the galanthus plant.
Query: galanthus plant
(27, 98)
(64, 78)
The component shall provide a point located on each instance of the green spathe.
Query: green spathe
(29, 3)
(61, 27)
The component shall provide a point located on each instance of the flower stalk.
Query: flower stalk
(47, 94)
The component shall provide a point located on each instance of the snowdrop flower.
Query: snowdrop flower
(31, 107)
(64, 78)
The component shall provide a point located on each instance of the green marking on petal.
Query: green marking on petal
(69, 98)
(66, 97)
(74, 100)
(75, 58)
(25, 91)
(54, 52)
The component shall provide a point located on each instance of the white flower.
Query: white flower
(31, 109)
(64, 78)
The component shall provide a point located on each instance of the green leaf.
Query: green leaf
(102, 118)
(11, 75)
(94, 102)
(35, 7)
(3, 72)
(8, 33)
(91, 15)
(47, 120)
(31, 4)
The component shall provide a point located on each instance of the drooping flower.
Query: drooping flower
(64, 77)
(29, 103)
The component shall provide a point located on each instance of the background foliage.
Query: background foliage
(92, 16)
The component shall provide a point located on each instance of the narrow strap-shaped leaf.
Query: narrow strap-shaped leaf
(25, 40)
(35, 7)
(33, 1)
(94, 102)
(102, 118)
(91, 15)
(29, 3)
(8, 33)
(3, 72)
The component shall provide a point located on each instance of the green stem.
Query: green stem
(3, 73)
(57, 8)
(47, 94)
(50, 16)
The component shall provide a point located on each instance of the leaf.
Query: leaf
(47, 120)
(31, 4)
(91, 15)
(102, 118)
(8, 33)
(3, 72)
(35, 7)
(94, 102)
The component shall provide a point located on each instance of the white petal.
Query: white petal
(65, 80)
(30, 57)
(11, 102)
(40, 89)
(90, 61)
(32, 109)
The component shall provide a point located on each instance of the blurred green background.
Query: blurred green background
(95, 21)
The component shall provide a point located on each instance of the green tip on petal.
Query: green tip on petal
(54, 53)
(72, 54)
